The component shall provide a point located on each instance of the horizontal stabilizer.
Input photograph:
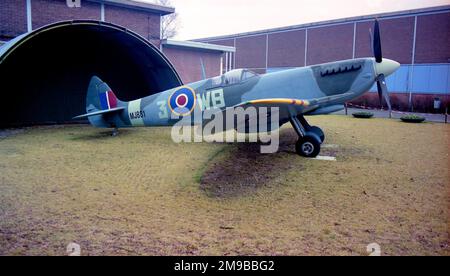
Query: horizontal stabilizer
(101, 112)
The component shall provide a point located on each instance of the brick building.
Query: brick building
(418, 39)
(21, 16)
(52, 50)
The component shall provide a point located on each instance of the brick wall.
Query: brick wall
(13, 18)
(188, 64)
(330, 43)
(397, 39)
(45, 12)
(228, 42)
(143, 23)
(287, 49)
(433, 38)
(251, 52)
(335, 42)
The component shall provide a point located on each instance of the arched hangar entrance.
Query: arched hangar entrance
(45, 74)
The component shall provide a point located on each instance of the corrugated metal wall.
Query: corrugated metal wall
(420, 78)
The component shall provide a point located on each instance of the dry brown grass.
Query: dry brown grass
(139, 193)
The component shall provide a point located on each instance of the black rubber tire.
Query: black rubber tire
(308, 146)
(319, 132)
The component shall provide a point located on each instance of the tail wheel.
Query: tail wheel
(319, 132)
(308, 146)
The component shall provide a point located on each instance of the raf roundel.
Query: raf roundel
(182, 101)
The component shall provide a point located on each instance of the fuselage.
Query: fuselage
(351, 77)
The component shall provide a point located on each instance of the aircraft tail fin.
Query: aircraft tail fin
(102, 105)
(100, 96)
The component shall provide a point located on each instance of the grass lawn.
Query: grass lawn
(140, 193)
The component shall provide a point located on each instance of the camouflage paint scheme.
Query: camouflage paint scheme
(312, 90)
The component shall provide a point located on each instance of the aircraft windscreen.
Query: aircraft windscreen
(217, 81)
(237, 76)
(247, 74)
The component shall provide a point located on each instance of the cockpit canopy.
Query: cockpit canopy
(234, 77)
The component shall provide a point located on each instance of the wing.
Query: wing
(310, 103)
(287, 107)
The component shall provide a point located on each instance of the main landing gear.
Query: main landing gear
(310, 137)
(115, 132)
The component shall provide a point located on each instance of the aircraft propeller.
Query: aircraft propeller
(381, 67)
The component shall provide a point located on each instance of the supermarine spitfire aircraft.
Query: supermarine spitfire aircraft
(312, 90)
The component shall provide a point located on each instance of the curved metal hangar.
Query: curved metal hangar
(45, 74)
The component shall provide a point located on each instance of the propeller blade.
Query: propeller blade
(382, 89)
(377, 43)
(380, 93)
(371, 40)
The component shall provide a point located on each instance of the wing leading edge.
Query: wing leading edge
(311, 103)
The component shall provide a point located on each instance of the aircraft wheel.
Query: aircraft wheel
(319, 132)
(308, 146)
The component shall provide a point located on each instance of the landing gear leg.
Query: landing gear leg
(317, 130)
(115, 132)
(308, 144)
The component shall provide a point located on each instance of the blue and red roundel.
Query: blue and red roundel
(182, 101)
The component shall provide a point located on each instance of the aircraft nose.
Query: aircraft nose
(386, 67)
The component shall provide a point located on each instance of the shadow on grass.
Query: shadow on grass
(103, 134)
(242, 169)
